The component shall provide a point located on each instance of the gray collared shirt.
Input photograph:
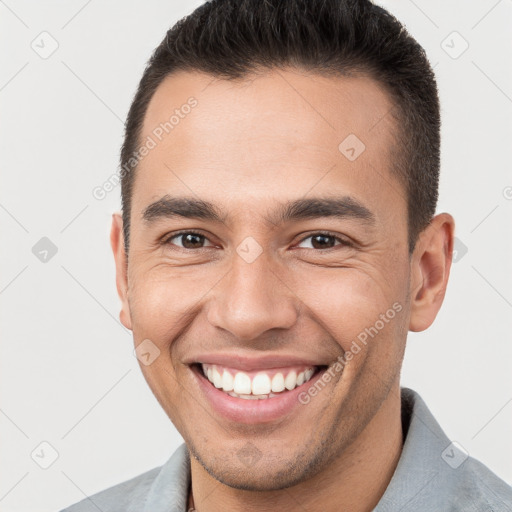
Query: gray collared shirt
(433, 474)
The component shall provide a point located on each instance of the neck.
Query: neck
(355, 480)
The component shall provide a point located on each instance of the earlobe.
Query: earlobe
(121, 262)
(430, 270)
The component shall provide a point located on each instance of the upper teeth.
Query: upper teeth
(260, 384)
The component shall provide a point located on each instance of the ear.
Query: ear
(121, 261)
(430, 268)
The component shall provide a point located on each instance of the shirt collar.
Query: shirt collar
(169, 491)
(425, 470)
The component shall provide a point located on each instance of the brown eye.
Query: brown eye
(322, 241)
(189, 240)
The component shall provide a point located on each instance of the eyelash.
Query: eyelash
(167, 240)
(342, 241)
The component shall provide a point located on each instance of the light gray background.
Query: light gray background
(68, 372)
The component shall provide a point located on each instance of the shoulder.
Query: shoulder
(126, 496)
(438, 472)
(161, 488)
(478, 488)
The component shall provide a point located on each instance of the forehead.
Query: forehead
(277, 134)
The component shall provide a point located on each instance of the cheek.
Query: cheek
(352, 305)
(161, 298)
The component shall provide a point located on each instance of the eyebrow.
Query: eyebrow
(301, 209)
(190, 208)
(338, 207)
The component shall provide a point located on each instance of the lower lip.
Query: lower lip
(249, 411)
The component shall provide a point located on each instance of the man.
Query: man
(278, 239)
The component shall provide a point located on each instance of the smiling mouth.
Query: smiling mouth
(257, 385)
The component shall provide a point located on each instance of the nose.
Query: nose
(252, 299)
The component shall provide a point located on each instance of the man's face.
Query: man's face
(262, 289)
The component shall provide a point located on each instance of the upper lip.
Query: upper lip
(261, 362)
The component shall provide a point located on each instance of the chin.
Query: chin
(264, 481)
(270, 473)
